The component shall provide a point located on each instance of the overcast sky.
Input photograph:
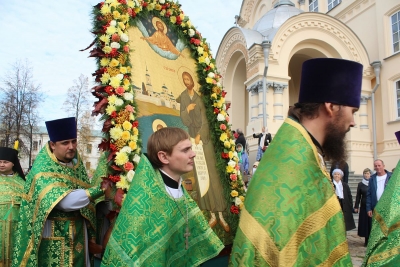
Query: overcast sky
(49, 34)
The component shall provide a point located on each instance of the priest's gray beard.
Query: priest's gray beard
(335, 146)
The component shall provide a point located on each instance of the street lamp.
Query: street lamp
(266, 45)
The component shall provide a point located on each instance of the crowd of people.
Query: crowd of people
(295, 213)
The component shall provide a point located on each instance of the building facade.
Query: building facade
(264, 52)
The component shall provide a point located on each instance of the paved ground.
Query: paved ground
(356, 247)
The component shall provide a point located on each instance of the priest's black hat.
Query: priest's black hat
(331, 80)
(11, 155)
(62, 129)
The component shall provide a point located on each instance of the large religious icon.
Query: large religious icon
(166, 90)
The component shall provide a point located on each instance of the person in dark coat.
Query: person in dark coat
(364, 221)
(344, 167)
(345, 198)
(241, 139)
(264, 139)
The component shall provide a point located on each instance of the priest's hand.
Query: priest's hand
(95, 248)
(369, 213)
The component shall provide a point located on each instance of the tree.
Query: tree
(20, 97)
(77, 104)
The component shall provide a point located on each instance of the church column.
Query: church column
(255, 98)
(301, 5)
(278, 100)
(363, 112)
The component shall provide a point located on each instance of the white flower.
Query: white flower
(124, 37)
(191, 32)
(235, 154)
(232, 163)
(128, 96)
(219, 84)
(200, 50)
(211, 74)
(113, 23)
(220, 117)
(119, 102)
(115, 45)
(130, 174)
(126, 149)
(120, 76)
(136, 159)
(207, 61)
(238, 201)
(162, 2)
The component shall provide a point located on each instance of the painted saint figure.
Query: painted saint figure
(193, 115)
(160, 38)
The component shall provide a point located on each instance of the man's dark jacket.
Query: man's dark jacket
(372, 199)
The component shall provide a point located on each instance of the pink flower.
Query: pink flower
(227, 118)
(126, 48)
(128, 166)
(120, 90)
(115, 37)
(130, 108)
(233, 177)
(222, 127)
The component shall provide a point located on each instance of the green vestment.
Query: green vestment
(48, 183)
(150, 228)
(11, 195)
(384, 240)
(291, 215)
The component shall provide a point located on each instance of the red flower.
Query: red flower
(115, 37)
(114, 52)
(126, 48)
(224, 155)
(114, 178)
(227, 105)
(234, 209)
(131, 12)
(109, 90)
(222, 127)
(144, 4)
(120, 90)
(223, 93)
(216, 110)
(129, 166)
(233, 177)
(168, 14)
(207, 68)
(122, 2)
(113, 147)
(195, 41)
(135, 124)
(178, 20)
(114, 114)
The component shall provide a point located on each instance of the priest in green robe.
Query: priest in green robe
(291, 215)
(159, 224)
(57, 220)
(384, 241)
(12, 180)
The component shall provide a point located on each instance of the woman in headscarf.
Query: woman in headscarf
(343, 193)
(12, 181)
(364, 221)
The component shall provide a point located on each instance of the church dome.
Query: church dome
(269, 24)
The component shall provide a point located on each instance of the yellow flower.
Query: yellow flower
(111, 99)
(209, 80)
(229, 169)
(124, 19)
(182, 16)
(115, 82)
(131, 116)
(128, 69)
(189, 24)
(111, 30)
(107, 49)
(157, 7)
(126, 135)
(205, 54)
(105, 78)
(127, 82)
(214, 96)
(230, 154)
(105, 9)
(114, 63)
(121, 158)
(223, 137)
(104, 61)
(115, 133)
(123, 70)
(130, 3)
(234, 193)
(132, 145)
(241, 198)
(227, 144)
(135, 131)
(223, 112)
(200, 50)
(105, 38)
(241, 205)
(127, 125)
(212, 65)
(201, 59)
(123, 183)
(173, 19)
(110, 109)
(134, 138)
(116, 14)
